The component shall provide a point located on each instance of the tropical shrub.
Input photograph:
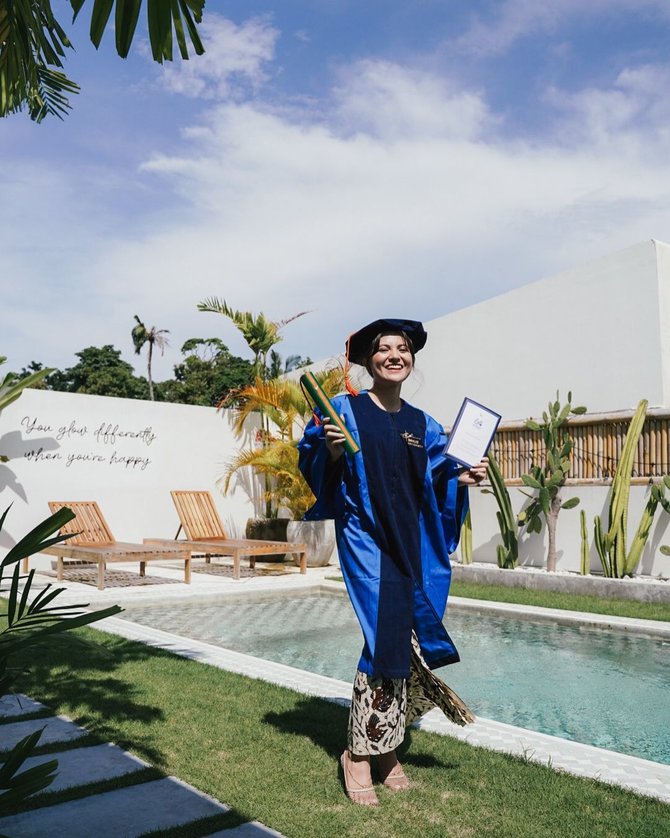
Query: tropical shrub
(507, 552)
(283, 403)
(549, 478)
(617, 557)
(27, 621)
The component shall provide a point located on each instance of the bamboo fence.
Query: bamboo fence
(598, 441)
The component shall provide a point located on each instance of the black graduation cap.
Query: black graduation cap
(358, 345)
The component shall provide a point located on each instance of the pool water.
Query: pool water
(603, 688)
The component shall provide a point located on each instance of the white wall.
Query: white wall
(125, 454)
(594, 500)
(595, 330)
(663, 254)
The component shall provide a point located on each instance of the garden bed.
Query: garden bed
(642, 589)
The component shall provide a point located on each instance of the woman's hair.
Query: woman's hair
(374, 346)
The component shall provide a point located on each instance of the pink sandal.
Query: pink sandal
(354, 789)
(396, 779)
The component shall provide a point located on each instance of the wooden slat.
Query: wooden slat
(598, 443)
(197, 514)
(88, 523)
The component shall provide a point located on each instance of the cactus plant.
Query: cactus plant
(466, 539)
(617, 559)
(585, 565)
(549, 479)
(507, 552)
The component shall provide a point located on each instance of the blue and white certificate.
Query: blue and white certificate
(472, 433)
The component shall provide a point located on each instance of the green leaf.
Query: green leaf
(570, 504)
(527, 480)
(532, 425)
(578, 411)
(545, 500)
(563, 415)
(36, 538)
(665, 549)
(10, 646)
(160, 29)
(99, 19)
(127, 13)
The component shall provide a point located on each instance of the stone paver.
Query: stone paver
(18, 705)
(253, 829)
(56, 729)
(80, 766)
(126, 812)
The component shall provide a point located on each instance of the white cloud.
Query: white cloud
(634, 111)
(388, 101)
(513, 20)
(420, 211)
(234, 58)
(396, 195)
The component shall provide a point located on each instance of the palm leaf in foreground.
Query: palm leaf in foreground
(26, 623)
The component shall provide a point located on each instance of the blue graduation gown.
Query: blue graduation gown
(398, 513)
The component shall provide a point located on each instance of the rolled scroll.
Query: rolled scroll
(309, 383)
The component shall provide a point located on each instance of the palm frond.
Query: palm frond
(32, 44)
(280, 400)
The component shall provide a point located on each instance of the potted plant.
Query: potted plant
(276, 458)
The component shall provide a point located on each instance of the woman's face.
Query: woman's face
(392, 362)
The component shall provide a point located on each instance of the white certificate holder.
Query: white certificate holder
(472, 433)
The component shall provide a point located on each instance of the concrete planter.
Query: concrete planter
(643, 590)
(319, 536)
(267, 529)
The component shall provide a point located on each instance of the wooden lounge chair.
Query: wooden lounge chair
(205, 534)
(94, 542)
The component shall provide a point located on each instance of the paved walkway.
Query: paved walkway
(128, 812)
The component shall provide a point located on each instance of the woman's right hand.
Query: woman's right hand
(334, 439)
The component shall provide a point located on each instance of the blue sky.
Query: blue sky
(353, 159)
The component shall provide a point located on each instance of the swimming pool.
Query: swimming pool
(601, 688)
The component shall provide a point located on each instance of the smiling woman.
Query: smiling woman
(398, 505)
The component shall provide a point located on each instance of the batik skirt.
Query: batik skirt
(382, 708)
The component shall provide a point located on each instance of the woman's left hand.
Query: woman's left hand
(474, 476)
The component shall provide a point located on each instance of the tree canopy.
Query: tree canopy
(100, 372)
(208, 374)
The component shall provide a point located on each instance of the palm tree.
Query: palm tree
(283, 402)
(33, 44)
(278, 366)
(142, 335)
(260, 333)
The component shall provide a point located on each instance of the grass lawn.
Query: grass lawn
(569, 602)
(271, 753)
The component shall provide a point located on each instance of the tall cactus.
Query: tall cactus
(508, 551)
(617, 559)
(466, 539)
(585, 565)
(656, 496)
